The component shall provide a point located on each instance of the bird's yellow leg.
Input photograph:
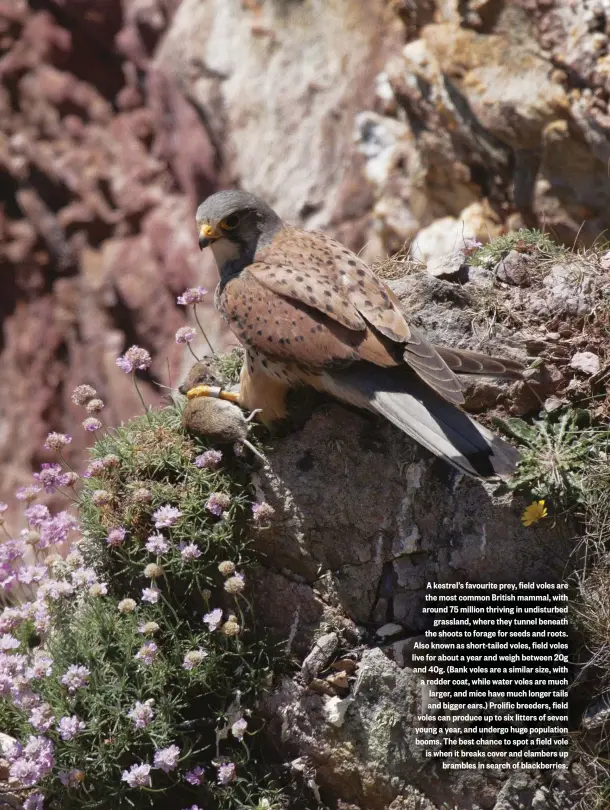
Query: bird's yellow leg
(212, 391)
(259, 393)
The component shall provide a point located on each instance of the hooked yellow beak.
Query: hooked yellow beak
(207, 234)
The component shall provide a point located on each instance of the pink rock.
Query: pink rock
(182, 140)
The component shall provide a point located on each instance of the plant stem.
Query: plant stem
(203, 330)
(135, 382)
(69, 497)
(169, 605)
(192, 352)
(61, 455)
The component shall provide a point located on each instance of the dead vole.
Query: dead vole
(222, 422)
(202, 373)
(212, 412)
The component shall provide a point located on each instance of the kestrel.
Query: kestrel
(310, 312)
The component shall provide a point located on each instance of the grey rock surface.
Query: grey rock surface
(361, 504)
(372, 761)
(364, 518)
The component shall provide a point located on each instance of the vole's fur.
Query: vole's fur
(222, 422)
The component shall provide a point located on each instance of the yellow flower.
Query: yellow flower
(534, 512)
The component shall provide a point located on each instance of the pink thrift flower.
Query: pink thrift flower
(194, 295)
(196, 776)
(42, 666)
(218, 503)
(137, 776)
(147, 653)
(42, 717)
(28, 493)
(471, 245)
(31, 574)
(76, 677)
(151, 595)
(166, 759)
(52, 477)
(37, 514)
(116, 536)
(8, 642)
(101, 497)
(83, 576)
(209, 460)
(262, 512)
(193, 658)
(226, 773)
(82, 394)
(55, 441)
(186, 334)
(238, 729)
(213, 619)
(69, 727)
(190, 552)
(142, 714)
(134, 358)
(95, 406)
(35, 801)
(55, 530)
(166, 516)
(157, 544)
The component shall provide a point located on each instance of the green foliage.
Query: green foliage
(524, 240)
(557, 452)
(11, 720)
(194, 708)
(229, 366)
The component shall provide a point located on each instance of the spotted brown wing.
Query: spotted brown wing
(314, 269)
(287, 330)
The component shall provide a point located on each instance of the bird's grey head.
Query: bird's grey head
(234, 223)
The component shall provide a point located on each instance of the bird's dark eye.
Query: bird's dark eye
(230, 222)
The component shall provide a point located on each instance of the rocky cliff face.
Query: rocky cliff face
(496, 116)
(364, 518)
(380, 122)
(117, 118)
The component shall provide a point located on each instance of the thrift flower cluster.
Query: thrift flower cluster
(194, 295)
(142, 714)
(75, 678)
(134, 358)
(186, 334)
(92, 642)
(210, 460)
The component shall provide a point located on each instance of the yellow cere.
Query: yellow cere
(209, 232)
